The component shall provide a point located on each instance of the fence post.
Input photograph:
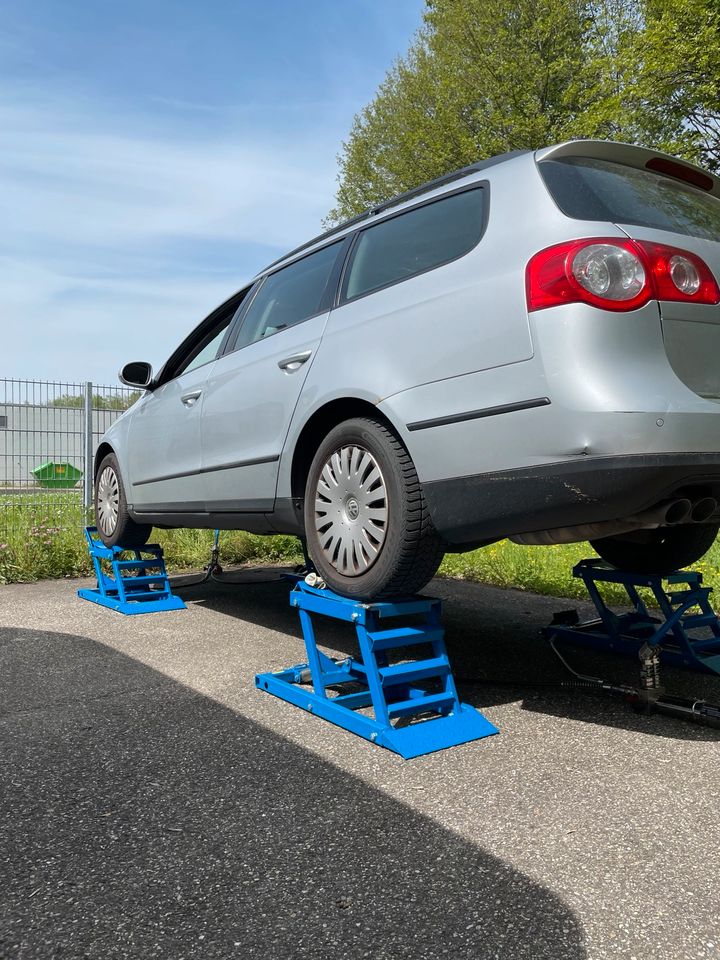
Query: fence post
(88, 447)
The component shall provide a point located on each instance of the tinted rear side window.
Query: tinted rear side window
(588, 189)
(413, 242)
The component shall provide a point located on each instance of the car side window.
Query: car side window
(289, 296)
(203, 345)
(415, 241)
(208, 349)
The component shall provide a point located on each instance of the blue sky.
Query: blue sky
(154, 155)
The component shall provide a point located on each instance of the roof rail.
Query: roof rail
(401, 198)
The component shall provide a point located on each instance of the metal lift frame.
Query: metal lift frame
(433, 720)
(675, 635)
(437, 719)
(137, 584)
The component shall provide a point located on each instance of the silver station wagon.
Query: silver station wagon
(528, 348)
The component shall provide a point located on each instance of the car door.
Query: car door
(164, 451)
(252, 390)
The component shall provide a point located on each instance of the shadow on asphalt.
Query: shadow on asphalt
(492, 635)
(141, 819)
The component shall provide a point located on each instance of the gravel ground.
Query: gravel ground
(155, 804)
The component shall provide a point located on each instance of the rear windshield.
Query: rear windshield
(588, 189)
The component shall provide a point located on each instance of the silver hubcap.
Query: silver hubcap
(351, 510)
(108, 501)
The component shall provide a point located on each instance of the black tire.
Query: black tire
(662, 550)
(408, 549)
(119, 530)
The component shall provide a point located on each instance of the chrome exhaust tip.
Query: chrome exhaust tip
(677, 511)
(703, 509)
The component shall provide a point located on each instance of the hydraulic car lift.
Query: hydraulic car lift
(138, 584)
(414, 701)
(687, 634)
(419, 693)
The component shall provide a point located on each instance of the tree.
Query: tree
(115, 401)
(481, 77)
(679, 76)
(609, 105)
(656, 70)
(486, 76)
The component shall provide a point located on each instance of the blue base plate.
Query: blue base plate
(133, 607)
(414, 740)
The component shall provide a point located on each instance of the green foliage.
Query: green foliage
(113, 402)
(41, 540)
(545, 570)
(481, 77)
(486, 76)
(190, 549)
(548, 570)
(678, 58)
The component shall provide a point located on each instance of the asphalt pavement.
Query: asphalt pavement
(154, 803)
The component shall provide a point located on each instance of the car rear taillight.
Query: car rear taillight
(679, 274)
(617, 274)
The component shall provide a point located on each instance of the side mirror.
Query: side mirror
(136, 374)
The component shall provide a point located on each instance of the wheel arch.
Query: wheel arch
(102, 451)
(317, 427)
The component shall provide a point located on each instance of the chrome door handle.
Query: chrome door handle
(189, 398)
(291, 364)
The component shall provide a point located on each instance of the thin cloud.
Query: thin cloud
(94, 218)
(88, 187)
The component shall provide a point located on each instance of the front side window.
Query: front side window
(209, 350)
(413, 242)
(203, 344)
(588, 189)
(289, 296)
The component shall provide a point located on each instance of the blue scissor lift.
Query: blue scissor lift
(686, 634)
(399, 691)
(403, 675)
(136, 581)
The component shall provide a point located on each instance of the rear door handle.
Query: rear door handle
(291, 364)
(189, 398)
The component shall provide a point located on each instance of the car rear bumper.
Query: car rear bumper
(486, 506)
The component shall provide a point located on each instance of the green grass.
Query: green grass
(41, 540)
(548, 570)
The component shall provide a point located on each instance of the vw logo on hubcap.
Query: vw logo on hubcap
(351, 510)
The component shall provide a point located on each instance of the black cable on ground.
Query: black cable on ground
(243, 576)
(647, 701)
(580, 681)
(535, 684)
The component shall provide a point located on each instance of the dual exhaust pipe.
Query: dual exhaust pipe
(669, 513)
(685, 511)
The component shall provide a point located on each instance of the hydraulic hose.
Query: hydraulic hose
(697, 711)
(644, 698)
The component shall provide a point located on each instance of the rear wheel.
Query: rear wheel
(367, 525)
(658, 551)
(114, 524)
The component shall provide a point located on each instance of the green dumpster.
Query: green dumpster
(56, 474)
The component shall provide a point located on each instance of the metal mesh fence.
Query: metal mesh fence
(49, 432)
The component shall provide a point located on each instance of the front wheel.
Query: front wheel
(114, 524)
(662, 550)
(367, 525)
